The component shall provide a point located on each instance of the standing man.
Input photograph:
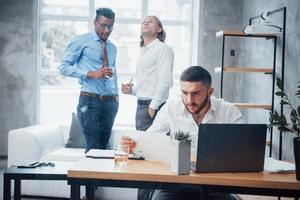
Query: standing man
(153, 71)
(91, 58)
(197, 105)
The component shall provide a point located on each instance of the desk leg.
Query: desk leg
(7, 187)
(90, 192)
(75, 192)
(17, 190)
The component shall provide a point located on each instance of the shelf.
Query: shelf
(229, 33)
(248, 69)
(253, 105)
(244, 70)
(242, 34)
(265, 35)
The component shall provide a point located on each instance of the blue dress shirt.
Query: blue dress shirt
(83, 54)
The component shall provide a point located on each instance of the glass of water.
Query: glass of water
(121, 154)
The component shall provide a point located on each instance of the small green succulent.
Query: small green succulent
(182, 136)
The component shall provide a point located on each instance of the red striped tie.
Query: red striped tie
(104, 55)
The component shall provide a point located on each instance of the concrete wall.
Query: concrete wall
(217, 15)
(18, 66)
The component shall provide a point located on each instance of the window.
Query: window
(62, 20)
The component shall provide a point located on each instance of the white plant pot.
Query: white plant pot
(180, 157)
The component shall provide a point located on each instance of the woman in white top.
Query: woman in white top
(153, 71)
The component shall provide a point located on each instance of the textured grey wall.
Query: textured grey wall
(217, 15)
(18, 68)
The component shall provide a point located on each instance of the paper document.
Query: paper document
(273, 165)
(100, 153)
(153, 146)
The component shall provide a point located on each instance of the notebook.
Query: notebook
(100, 153)
(107, 153)
(230, 148)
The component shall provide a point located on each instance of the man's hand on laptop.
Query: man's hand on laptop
(127, 141)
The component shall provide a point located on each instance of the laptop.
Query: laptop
(230, 148)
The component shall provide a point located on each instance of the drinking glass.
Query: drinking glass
(121, 155)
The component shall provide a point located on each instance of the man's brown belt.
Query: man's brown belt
(102, 98)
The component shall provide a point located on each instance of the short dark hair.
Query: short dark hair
(195, 74)
(106, 12)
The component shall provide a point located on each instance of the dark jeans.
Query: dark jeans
(96, 118)
(142, 122)
(142, 118)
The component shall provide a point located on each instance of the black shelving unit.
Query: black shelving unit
(227, 34)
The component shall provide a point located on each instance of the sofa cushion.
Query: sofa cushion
(76, 137)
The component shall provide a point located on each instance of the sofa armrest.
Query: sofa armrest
(33, 142)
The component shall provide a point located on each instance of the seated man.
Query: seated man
(196, 106)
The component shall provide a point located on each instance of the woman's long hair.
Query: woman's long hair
(161, 35)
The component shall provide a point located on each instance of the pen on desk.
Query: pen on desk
(134, 156)
(32, 164)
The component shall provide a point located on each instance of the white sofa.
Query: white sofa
(46, 142)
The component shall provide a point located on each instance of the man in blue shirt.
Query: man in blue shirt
(91, 58)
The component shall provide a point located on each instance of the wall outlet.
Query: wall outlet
(232, 52)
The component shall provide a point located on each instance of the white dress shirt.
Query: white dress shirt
(154, 73)
(174, 117)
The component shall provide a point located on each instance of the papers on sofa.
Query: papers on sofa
(100, 153)
(278, 166)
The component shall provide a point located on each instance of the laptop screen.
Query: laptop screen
(230, 148)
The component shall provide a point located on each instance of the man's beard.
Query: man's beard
(202, 105)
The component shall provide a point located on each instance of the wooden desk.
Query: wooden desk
(149, 174)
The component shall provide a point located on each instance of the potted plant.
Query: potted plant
(292, 125)
(180, 153)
